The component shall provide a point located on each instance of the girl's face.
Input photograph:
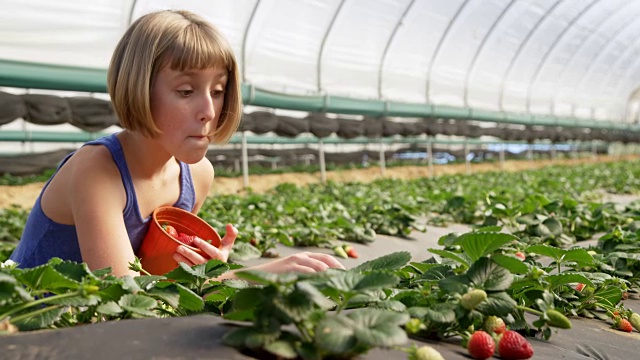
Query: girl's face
(186, 106)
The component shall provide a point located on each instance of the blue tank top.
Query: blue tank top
(43, 238)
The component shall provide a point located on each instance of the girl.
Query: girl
(173, 82)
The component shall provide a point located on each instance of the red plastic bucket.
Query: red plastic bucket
(158, 247)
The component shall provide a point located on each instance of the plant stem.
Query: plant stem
(529, 310)
(38, 302)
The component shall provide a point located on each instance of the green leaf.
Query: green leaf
(349, 281)
(579, 255)
(388, 262)
(109, 308)
(138, 304)
(455, 284)
(77, 300)
(567, 278)
(145, 282)
(439, 313)
(392, 305)
(546, 250)
(498, 304)
(609, 296)
(249, 337)
(42, 319)
(45, 277)
(314, 295)
(477, 245)
(185, 274)
(553, 226)
(74, 271)
(437, 273)
(243, 251)
(263, 277)
(375, 327)
(459, 258)
(188, 299)
(488, 275)
(282, 349)
(514, 265)
(335, 334)
(377, 280)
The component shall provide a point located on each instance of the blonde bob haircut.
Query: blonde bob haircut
(183, 41)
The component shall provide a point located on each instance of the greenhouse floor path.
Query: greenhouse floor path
(199, 337)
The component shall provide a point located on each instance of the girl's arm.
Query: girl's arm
(96, 199)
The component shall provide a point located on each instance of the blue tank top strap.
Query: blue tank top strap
(187, 198)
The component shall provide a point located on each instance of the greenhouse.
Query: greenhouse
(471, 165)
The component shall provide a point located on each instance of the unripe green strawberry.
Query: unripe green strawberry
(557, 319)
(473, 298)
(481, 345)
(634, 319)
(413, 326)
(339, 251)
(426, 353)
(494, 324)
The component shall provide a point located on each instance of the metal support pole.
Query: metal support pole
(245, 161)
(323, 168)
(553, 152)
(502, 150)
(382, 159)
(594, 150)
(530, 153)
(467, 161)
(430, 155)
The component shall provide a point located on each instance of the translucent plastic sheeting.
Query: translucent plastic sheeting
(567, 58)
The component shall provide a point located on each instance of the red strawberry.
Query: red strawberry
(170, 230)
(186, 239)
(624, 325)
(481, 345)
(351, 252)
(580, 286)
(520, 255)
(495, 324)
(513, 346)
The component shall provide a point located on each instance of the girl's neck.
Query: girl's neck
(145, 158)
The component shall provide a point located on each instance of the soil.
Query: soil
(25, 195)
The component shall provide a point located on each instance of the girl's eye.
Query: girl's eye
(185, 93)
(217, 93)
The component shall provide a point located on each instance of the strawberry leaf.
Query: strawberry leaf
(389, 262)
(477, 244)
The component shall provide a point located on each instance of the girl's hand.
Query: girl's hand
(304, 262)
(192, 258)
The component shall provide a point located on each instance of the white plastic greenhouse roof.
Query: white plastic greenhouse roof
(575, 60)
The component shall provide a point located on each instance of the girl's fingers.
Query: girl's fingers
(229, 237)
(327, 259)
(192, 256)
(179, 258)
(211, 251)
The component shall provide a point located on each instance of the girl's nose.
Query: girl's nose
(207, 111)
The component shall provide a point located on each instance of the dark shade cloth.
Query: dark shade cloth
(373, 127)
(264, 122)
(12, 107)
(291, 127)
(46, 109)
(392, 128)
(246, 123)
(91, 114)
(350, 129)
(322, 126)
